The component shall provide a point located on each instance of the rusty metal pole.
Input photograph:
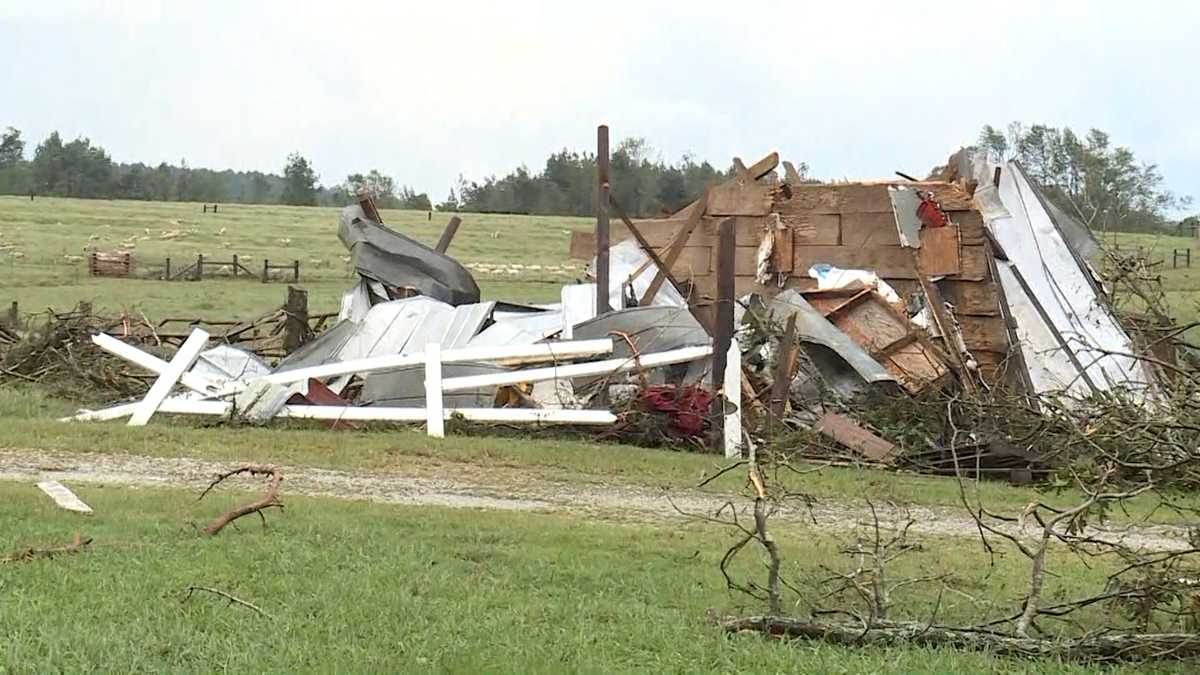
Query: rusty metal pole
(602, 229)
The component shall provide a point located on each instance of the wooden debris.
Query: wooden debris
(853, 436)
(63, 496)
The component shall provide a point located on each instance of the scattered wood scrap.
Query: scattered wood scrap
(28, 554)
(63, 496)
(269, 500)
(853, 436)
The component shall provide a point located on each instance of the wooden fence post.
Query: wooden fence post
(235, 264)
(14, 315)
(295, 327)
(199, 266)
(167, 269)
(602, 226)
(448, 234)
(266, 267)
(295, 271)
(722, 330)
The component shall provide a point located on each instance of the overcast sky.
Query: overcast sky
(425, 91)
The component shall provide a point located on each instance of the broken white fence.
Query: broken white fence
(206, 392)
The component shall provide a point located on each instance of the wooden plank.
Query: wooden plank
(739, 198)
(784, 369)
(970, 226)
(869, 323)
(973, 261)
(915, 366)
(851, 435)
(889, 262)
(63, 496)
(869, 229)
(938, 255)
(815, 228)
(847, 198)
(971, 298)
(183, 359)
(984, 333)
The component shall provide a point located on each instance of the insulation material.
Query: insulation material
(830, 277)
(1063, 287)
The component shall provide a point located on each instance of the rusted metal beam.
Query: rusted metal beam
(448, 234)
(602, 225)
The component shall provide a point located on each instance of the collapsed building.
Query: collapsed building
(968, 279)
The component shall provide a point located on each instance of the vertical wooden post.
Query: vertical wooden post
(167, 269)
(14, 315)
(199, 266)
(295, 271)
(266, 269)
(722, 329)
(785, 364)
(448, 234)
(295, 327)
(602, 229)
(235, 264)
(434, 417)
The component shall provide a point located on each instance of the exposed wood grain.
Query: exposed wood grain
(852, 435)
(938, 255)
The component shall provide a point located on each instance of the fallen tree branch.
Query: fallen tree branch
(232, 599)
(27, 554)
(269, 500)
(1098, 647)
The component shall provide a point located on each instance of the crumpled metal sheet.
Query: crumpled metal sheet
(905, 202)
(229, 364)
(399, 261)
(650, 329)
(405, 387)
(395, 327)
(843, 364)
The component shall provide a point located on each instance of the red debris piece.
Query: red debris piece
(688, 407)
(930, 211)
(319, 394)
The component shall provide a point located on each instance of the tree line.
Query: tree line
(80, 168)
(1103, 185)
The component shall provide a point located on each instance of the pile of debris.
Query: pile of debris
(414, 343)
(783, 298)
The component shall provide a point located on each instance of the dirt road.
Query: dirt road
(500, 488)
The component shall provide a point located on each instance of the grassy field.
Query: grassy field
(42, 244)
(359, 586)
(351, 586)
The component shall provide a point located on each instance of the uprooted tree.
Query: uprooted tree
(1123, 470)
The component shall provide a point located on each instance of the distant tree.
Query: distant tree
(450, 204)
(411, 200)
(1102, 185)
(300, 182)
(382, 188)
(75, 169)
(12, 148)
